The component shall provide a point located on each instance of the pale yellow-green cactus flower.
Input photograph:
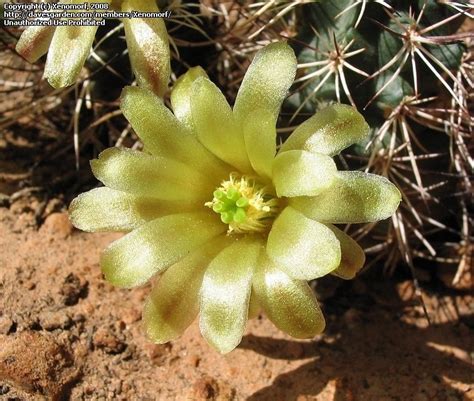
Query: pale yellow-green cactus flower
(227, 224)
(69, 46)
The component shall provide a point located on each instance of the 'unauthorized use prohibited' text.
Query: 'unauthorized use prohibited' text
(67, 14)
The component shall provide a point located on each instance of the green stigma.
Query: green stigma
(243, 204)
(231, 205)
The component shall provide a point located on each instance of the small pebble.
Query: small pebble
(5, 324)
(54, 320)
(205, 389)
(58, 225)
(105, 339)
(131, 315)
(73, 289)
(158, 352)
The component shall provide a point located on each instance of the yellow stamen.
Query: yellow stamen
(244, 204)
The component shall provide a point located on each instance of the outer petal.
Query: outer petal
(34, 42)
(215, 124)
(289, 304)
(352, 255)
(355, 197)
(181, 96)
(148, 46)
(329, 131)
(69, 50)
(302, 248)
(266, 81)
(174, 301)
(142, 174)
(225, 294)
(133, 259)
(105, 209)
(258, 102)
(301, 173)
(163, 135)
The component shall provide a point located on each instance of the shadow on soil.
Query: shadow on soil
(374, 359)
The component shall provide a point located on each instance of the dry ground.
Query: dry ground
(67, 334)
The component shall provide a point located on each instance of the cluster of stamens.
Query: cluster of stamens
(244, 204)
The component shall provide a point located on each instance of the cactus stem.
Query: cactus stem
(334, 64)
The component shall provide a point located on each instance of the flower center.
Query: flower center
(244, 204)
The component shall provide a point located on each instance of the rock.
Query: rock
(54, 320)
(37, 364)
(106, 339)
(208, 389)
(131, 315)
(158, 352)
(205, 389)
(57, 225)
(5, 324)
(73, 289)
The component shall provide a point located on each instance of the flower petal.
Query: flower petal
(301, 247)
(34, 42)
(301, 173)
(254, 306)
(67, 53)
(215, 124)
(260, 140)
(142, 174)
(288, 303)
(173, 303)
(259, 100)
(266, 81)
(329, 131)
(163, 135)
(105, 209)
(352, 255)
(148, 46)
(354, 197)
(134, 258)
(181, 96)
(225, 294)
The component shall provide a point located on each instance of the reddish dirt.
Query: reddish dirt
(67, 334)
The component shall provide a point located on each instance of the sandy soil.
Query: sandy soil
(67, 334)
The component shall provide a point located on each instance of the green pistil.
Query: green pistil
(230, 205)
(244, 205)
